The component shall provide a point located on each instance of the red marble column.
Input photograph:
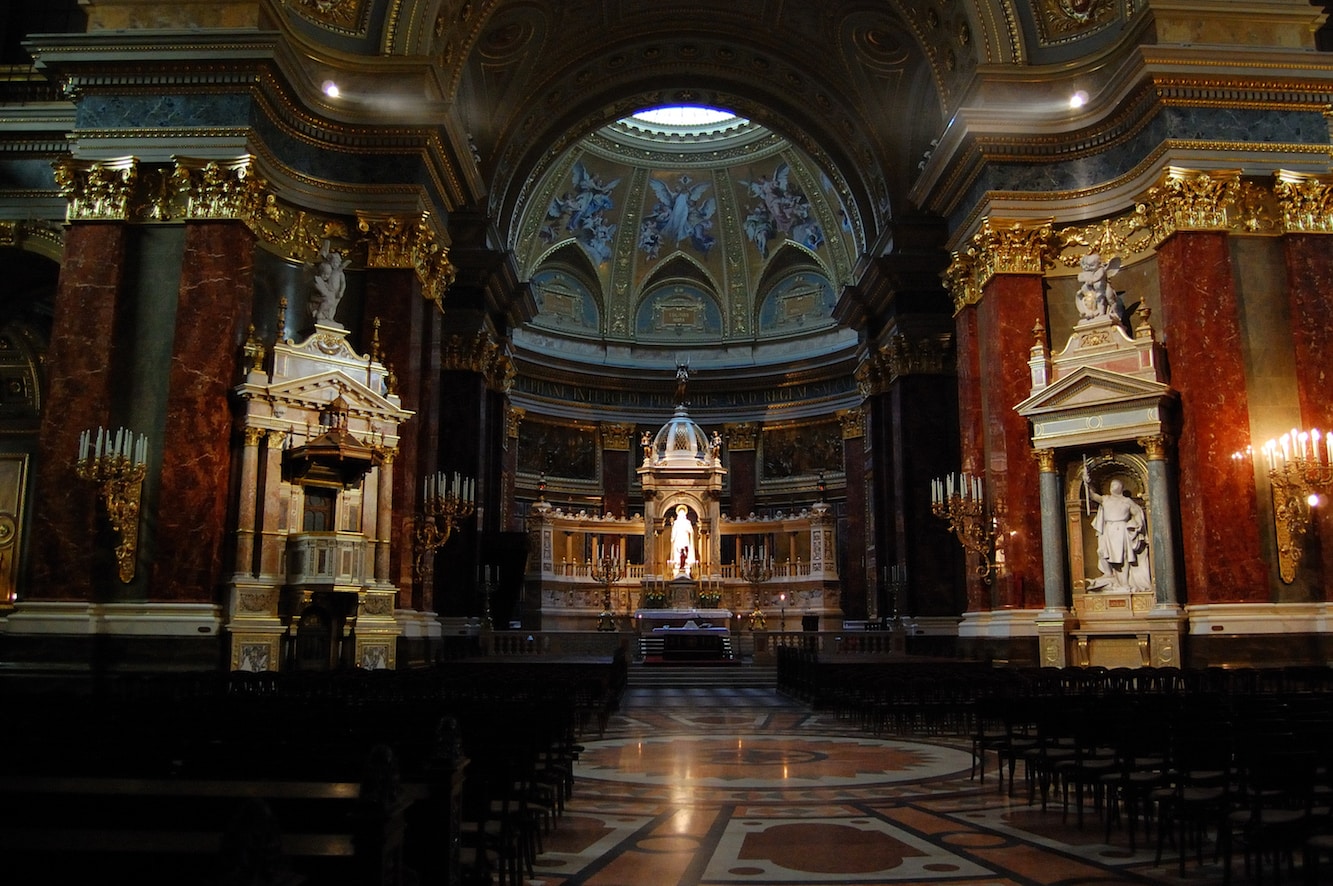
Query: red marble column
(1309, 260)
(856, 584)
(212, 311)
(1010, 306)
(743, 475)
(1219, 533)
(81, 375)
(615, 481)
(971, 423)
(923, 410)
(408, 347)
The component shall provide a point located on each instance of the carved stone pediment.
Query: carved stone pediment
(315, 392)
(1091, 405)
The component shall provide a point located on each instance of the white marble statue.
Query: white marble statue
(329, 285)
(1095, 297)
(682, 543)
(1122, 547)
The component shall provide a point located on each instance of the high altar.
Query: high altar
(683, 569)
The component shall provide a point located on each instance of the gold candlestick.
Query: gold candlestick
(606, 571)
(117, 463)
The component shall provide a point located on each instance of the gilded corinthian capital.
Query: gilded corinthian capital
(1000, 248)
(1190, 200)
(410, 242)
(1306, 203)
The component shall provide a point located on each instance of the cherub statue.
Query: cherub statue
(330, 283)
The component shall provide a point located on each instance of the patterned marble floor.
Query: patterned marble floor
(717, 787)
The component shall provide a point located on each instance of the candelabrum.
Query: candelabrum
(606, 571)
(117, 461)
(1300, 468)
(959, 499)
(444, 503)
(895, 587)
(756, 569)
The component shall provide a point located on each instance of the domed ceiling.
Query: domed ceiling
(688, 235)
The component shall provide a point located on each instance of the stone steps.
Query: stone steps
(702, 676)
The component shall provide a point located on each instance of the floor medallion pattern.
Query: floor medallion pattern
(721, 787)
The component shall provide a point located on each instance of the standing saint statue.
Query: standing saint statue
(1122, 548)
(682, 542)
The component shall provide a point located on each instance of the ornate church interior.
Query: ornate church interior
(412, 338)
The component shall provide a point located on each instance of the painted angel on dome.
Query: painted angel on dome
(778, 210)
(681, 214)
(581, 212)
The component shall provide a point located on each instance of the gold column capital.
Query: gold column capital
(742, 436)
(414, 242)
(1155, 446)
(514, 416)
(1305, 202)
(1190, 200)
(1000, 247)
(853, 423)
(1045, 460)
(616, 436)
(252, 435)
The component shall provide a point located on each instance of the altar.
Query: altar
(685, 635)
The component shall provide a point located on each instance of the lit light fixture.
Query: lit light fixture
(331, 89)
(1078, 100)
(1300, 467)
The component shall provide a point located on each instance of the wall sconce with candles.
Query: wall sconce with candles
(445, 502)
(959, 499)
(117, 461)
(1300, 469)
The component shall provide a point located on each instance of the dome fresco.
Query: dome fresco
(653, 233)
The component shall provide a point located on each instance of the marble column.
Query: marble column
(742, 467)
(616, 442)
(971, 425)
(856, 585)
(82, 376)
(1054, 553)
(384, 519)
(212, 309)
(1010, 304)
(272, 513)
(1223, 550)
(247, 505)
(1309, 260)
(409, 346)
(1162, 495)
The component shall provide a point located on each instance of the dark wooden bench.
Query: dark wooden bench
(80, 829)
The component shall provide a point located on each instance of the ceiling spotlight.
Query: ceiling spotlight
(331, 89)
(1078, 100)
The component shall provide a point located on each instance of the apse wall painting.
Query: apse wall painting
(582, 212)
(776, 209)
(681, 216)
(798, 303)
(563, 301)
(677, 312)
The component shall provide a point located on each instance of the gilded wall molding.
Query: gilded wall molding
(411, 242)
(479, 354)
(38, 237)
(514, 416)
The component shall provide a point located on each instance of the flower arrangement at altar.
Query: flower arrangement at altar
(710, 599)
(656, 599)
